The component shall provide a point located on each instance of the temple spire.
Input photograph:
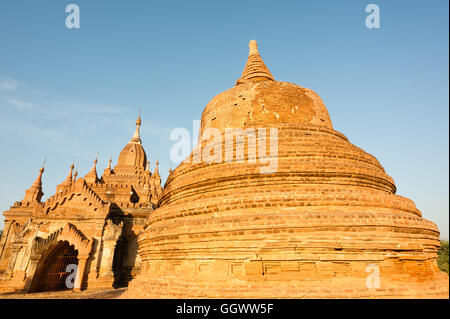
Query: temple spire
(67, 182)
(155, 185)
(38, 182)
(34, 193)
(92, 177)
(137, 136)
(75, 174)
(132, 155)
(255, 69)
(156, 173)
(107, 171)
(69, 177)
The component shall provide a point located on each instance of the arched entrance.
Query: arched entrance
(55, 268)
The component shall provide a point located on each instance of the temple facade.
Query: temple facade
(91, 223)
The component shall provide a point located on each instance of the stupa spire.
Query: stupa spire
(255, 69)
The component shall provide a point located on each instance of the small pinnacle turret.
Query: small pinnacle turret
(34, 193)
(92, 177)
(67, 182)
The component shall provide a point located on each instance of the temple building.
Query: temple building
(326, 224)
(91, 223)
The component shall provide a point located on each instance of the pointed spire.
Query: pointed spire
(133, 154)
(155, 185)
(75, 174)
(137, 136)
(156, 173)
(34, 193)
(69, 177)
(91, 177)
(38, 182)
(255, 69)
(108, 169)
(67, 182)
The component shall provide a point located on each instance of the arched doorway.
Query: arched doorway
(54, 269)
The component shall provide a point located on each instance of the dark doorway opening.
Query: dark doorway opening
(54, 270)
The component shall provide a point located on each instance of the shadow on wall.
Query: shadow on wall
(125, 254)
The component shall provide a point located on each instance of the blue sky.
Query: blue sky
(76, 92)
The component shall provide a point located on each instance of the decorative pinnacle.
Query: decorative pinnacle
(69, 176)
(94, 167)
(253, 47)
(136, 136)
(38, 182)
(138, 121)
(43, 164)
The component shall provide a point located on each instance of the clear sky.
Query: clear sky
(76, 92)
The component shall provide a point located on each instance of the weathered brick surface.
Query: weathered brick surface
(308, 230)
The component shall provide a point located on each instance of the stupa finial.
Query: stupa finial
(255, 70)
(137, 136)
(253, 47)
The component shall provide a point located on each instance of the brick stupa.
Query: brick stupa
(318, 227)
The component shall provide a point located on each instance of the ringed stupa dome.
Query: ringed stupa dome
(325, 223)
(133, 154)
